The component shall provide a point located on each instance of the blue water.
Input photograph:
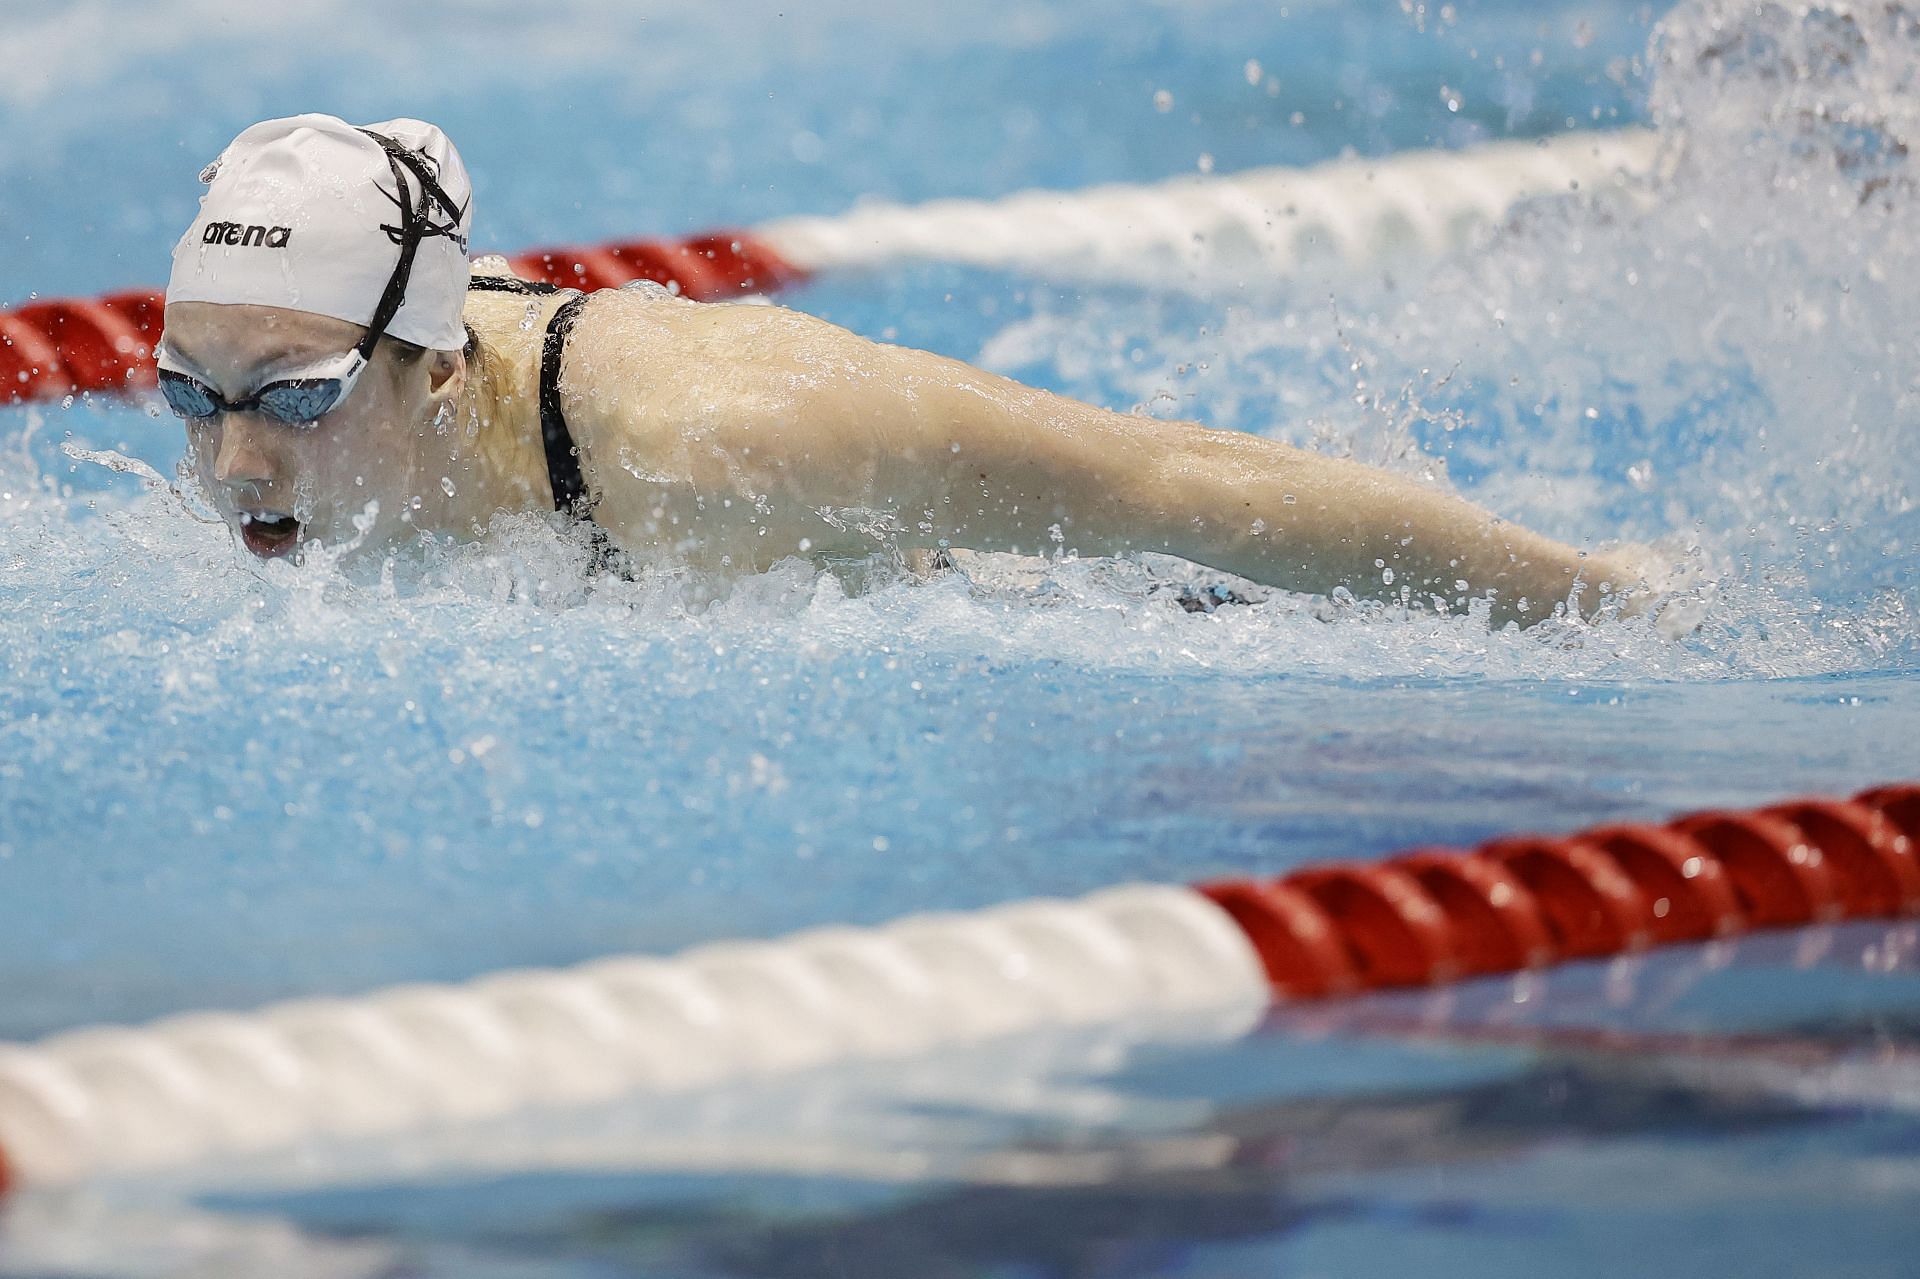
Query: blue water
(222, 782)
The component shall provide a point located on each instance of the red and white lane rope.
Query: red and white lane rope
(105, 1100)
(1269, 219)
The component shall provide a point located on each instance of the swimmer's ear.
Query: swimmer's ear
(446, 378)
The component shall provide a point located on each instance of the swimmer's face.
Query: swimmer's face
(281, 486)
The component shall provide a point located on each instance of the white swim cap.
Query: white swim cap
(303, 213)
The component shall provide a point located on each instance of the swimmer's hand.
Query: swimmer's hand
(1667, 584)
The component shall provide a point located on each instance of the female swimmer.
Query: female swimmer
(348, 378)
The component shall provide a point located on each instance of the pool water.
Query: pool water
(223, 782)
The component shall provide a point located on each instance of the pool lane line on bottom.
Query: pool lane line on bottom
(1359, 209)
(111, 1100)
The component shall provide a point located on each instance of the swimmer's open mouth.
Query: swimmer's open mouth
(269, 533)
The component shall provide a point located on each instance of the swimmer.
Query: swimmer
(347, 377)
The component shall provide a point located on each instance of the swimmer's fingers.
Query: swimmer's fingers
(1668, 585)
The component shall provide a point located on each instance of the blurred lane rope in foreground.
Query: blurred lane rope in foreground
(105, 1100)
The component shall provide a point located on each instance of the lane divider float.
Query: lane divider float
(1276, 218)
(106, 1100)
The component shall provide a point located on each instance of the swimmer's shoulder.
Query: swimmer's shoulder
(642, 359)
(637, 314)
(642, 332)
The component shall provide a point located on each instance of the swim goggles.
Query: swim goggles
(311, 393)
(298, 400)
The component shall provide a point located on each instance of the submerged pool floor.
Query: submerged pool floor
(223, 782)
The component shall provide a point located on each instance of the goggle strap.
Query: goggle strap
(396, 290)
(414, 227)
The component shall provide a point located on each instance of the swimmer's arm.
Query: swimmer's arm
(1304, 521)
(799, 415)
(990, 464)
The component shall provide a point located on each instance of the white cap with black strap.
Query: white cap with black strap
(313, 214)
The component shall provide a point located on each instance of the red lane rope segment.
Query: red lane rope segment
(71, 346)
(1301, 949)
(1494, 921)
(705, 268)
(1432, 915)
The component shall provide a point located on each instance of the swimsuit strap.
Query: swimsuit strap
(563, 455)
(509, 284)
(564, 477)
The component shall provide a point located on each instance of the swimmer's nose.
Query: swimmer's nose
(242, 459)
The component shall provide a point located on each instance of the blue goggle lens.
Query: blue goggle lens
(187, 397)
(299, 401)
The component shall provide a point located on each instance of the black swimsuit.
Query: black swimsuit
(569, 486)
